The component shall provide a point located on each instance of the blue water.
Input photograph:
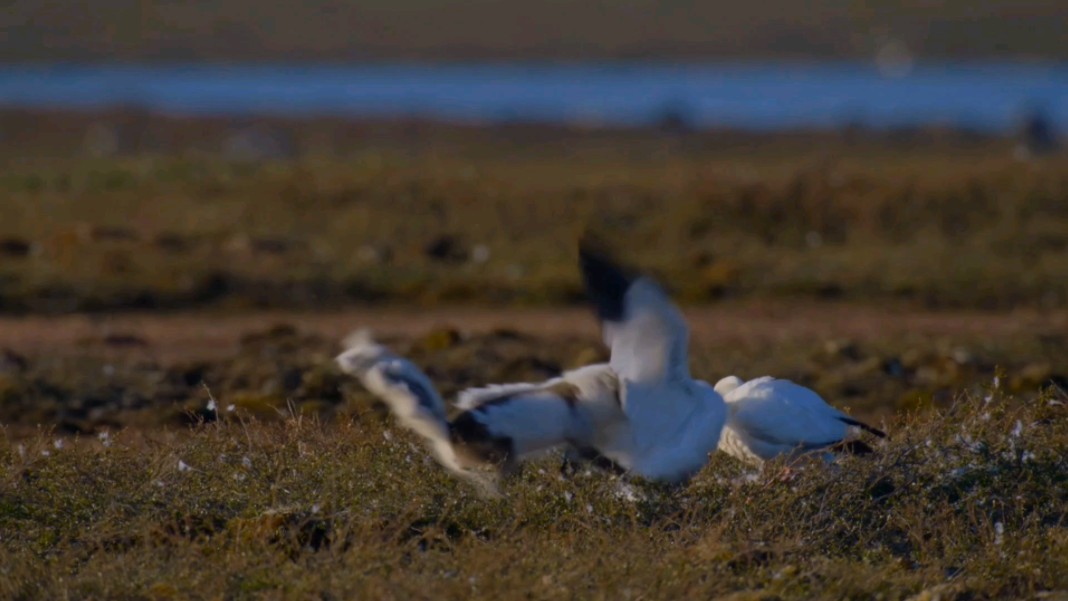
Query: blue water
(763, 96)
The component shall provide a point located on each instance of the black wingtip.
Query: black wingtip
(606, 281)
(864, 426)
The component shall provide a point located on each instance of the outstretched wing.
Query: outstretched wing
(644, 330)
(525, 418)
(411, 397)
(405, 377)
(473, 397)
(565, 410)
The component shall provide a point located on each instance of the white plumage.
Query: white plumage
(641, 411)
(768, 417)
(672, 421)
(499, 425)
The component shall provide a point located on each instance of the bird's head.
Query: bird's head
(728, 384)
(361, 352)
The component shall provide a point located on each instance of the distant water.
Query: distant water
(763, 96)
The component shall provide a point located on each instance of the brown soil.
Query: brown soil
(206, 335)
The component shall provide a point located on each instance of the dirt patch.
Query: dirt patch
(82, 374)
(206, 335)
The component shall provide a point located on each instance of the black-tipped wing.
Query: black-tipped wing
(405, 375)
(863, 426)
(606, 282)
(644, 330)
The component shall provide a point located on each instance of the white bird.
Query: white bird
(641, 412)
(768, 417)
(499, 425)
(672, 421)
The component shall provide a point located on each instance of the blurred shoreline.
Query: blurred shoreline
(28, 134)
(888, 94)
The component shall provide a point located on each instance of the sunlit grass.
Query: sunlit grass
(970, 500)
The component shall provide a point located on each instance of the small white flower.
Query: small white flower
(46, 453)
(627, 493)
(1017, 430)
(568, 496)
(387, 435)
(58, 443)
(958, 472)
(997, 382)
(999, 532)
(589, 508)
(211, 405)
(105, 438)
(230, 408)
(183, 466)
(315, 508)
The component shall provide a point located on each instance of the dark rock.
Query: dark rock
(12, 362)
(447, 249)
(125, 340)
(15, 247)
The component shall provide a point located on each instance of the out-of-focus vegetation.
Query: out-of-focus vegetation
(243, 30)
(123, 377)
(968, 503)
(244, 465)
(183, 213)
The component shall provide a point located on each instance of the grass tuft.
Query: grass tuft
(965, 502)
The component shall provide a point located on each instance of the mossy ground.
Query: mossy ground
(964, 503)
(919, 281)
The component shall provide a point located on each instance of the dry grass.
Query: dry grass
(967, 503)
(966, 500)
(490, 216)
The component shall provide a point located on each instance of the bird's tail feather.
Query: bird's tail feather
(863, 426)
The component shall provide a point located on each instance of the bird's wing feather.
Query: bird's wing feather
(405, 375)
(473, 397)
(645, 332)
(780, 412)
(531, 418)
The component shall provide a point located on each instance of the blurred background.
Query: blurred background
(989, 68)
(869, 197)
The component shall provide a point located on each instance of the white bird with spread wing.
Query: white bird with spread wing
(641, 411)
(768, 417)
